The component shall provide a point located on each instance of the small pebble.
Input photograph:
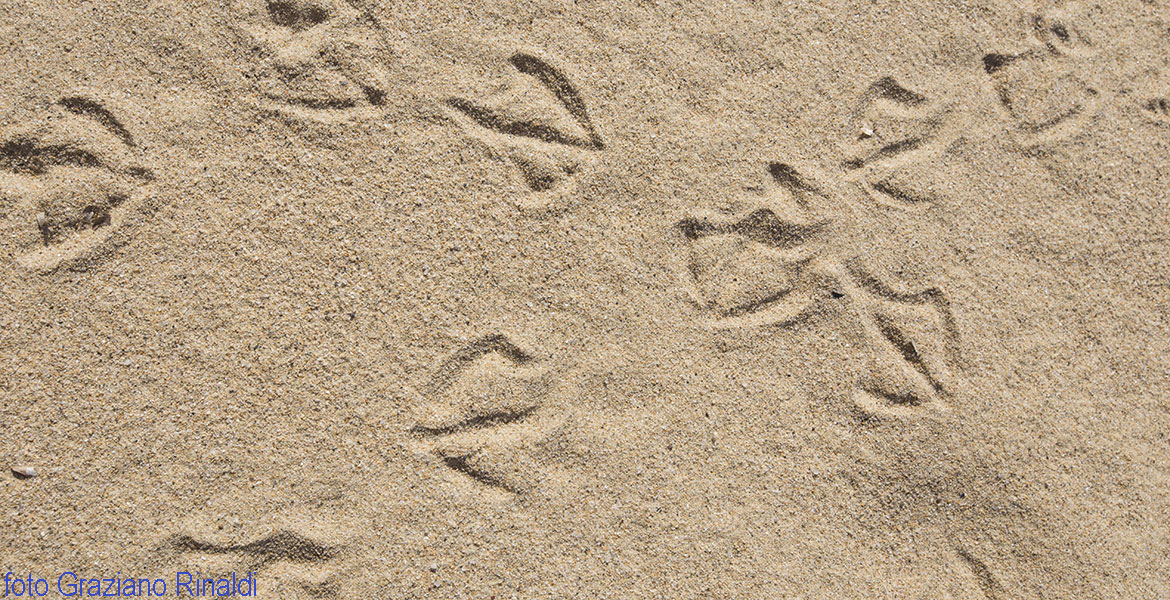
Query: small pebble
(24, 472)
(866, 133)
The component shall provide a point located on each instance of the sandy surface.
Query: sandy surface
(587, 300)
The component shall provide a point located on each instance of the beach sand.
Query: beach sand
(588, 300)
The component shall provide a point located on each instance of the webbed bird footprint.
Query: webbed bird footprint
(482, 415)
(911, 341)
(70, 186)
(324, 60)
(755, 268)
(1043, 87)
(539, 124)
(900, 131)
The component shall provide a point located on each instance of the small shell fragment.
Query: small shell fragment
(24, 472)
(866, 132)
(42, 220)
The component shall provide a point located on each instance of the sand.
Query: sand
(588, 300)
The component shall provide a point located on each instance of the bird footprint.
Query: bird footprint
(69, 185)
(485, 415)
(539, 124)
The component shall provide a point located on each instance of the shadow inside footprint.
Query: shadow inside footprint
(282, 545)
(283, 562)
